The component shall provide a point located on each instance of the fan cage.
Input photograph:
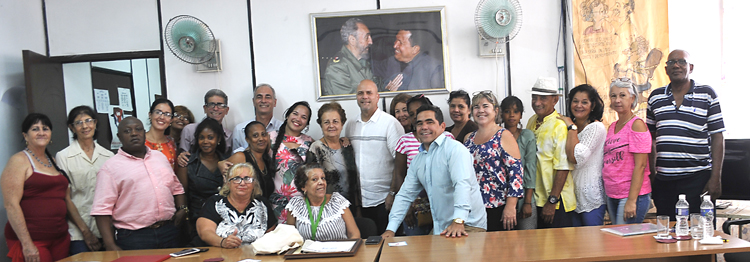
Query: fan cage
(488, 27)
(190, 26)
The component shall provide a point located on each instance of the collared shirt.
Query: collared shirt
(374, 145)
(136, 192)
(551, 136)
(238, 140)
(446, 173)
(188, 136)
(682, 134)
(82, 173)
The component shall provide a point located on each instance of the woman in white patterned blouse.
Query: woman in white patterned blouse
(317, 215)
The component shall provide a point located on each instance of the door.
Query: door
(45, 94)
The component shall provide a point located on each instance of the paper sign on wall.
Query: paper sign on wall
(101, 99)
(126, 101)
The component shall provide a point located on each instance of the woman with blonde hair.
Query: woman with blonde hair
(239, 214)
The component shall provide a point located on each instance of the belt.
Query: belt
(160, 224)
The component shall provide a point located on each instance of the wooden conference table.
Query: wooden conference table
(560, 244)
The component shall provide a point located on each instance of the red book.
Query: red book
(148, 258)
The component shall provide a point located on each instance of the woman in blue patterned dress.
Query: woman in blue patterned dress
(497, 163)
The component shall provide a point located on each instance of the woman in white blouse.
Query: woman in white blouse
(317, 215)
(81, 161)
(584, 147)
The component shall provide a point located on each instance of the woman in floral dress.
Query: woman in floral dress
(289, 152)
(497, 163)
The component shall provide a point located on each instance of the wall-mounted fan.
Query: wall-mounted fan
(192, 41)
(497, 21)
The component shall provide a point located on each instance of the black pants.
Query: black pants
(666, 190)
(495, 219)
(561, 219)
(377, 214)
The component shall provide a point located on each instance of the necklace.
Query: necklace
(314, 222)
(621, 125)
(49, 162)
(255, 161)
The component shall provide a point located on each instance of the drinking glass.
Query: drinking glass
(696, 225)
(662, 226)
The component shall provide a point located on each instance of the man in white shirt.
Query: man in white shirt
(264, 101)
(373, 135)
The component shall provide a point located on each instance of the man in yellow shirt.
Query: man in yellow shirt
(555, 198)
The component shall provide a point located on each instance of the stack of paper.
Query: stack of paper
(311, 246)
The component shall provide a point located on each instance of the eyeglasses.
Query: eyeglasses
(179, 117)
(88, 122)
(213, 105)
(484, 93)
(624, 79)
(238, 180)
(682, 62)
(159, 113)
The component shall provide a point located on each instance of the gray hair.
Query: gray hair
(631, 89)
(350, 27)
(266, 85)
(235, 171)
(215, 92)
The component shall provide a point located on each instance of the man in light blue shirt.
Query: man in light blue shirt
(444, 169)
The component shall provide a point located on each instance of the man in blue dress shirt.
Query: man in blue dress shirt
(443, 168)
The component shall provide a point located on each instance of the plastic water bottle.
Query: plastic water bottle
(682, 228)
(707, 211)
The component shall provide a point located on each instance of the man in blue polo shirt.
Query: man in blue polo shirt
(686, 123)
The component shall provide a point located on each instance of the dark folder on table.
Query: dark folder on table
(631, 230)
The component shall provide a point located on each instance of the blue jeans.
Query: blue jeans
(147, 238)
(616, 208)
(592, 218)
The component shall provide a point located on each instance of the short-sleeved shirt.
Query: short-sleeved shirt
(683, 134)
(331, 226)
(527, 145)
(500, 175)
(82, 173)
(374, 145)
(551, 136)
(619, 160)
(167, 148)
(136, 192)
(250, 223)
(409, 145)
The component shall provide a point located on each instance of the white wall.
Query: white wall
(26, 31)
(228, 22)
(87, 27)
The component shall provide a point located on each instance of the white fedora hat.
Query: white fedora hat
(545, 86)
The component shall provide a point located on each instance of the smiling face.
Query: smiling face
(428, 127)
(84, 127)
(484, 112)
(298, 119)
(459, 110)
(264, 100)
(159, 120)
(258, 139)
(581, 105)
(38, 135)
(404, 50)
(315, 187)
(180, 119)
(620, 99)
(543, 105)
(362, 42)
(367, 97)
(413, 106)
(207, 140)
(216, 112)
(402, 114)
(512, 116)
(331, 124)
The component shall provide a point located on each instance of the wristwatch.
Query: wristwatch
(573, 127)
(553, 199)
(458, 221)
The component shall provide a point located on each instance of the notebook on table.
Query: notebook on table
(631, 230)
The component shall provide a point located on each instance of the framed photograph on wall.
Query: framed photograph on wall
(401, 50)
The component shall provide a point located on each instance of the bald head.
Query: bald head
(678, 66)
(132, 135)
(367, 97)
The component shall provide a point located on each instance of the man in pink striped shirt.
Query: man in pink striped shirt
(136, 193)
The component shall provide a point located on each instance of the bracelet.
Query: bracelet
(221, 244)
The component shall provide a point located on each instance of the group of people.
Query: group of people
(183, 183)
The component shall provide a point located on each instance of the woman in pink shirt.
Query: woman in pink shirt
(626, 150)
